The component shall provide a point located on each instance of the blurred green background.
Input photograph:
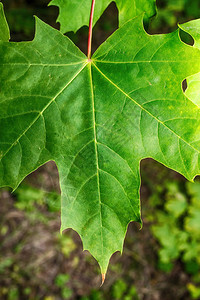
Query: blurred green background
(161, 262)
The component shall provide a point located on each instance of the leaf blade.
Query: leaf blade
(97, 120)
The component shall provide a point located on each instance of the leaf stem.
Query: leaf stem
(90, 30)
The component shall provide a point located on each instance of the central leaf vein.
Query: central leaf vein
(96, 153)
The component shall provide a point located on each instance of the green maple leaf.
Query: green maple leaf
(97, 119)
(4, 30)
(73, 14)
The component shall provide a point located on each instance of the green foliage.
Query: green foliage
(27, 291)
(171, 11)
(21, 20)
(28, 198)
(121, 290)
(78, 11)
(67, 245)
(95, 295)
(34, 201)
(178, 232)
(194, 291)
(13, 294)
(61, 281)
(5, 263)
(49, 298)
(97, 120)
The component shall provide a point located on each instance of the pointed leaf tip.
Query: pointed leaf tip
(103, 275)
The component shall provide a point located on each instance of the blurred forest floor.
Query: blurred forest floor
(159, 262)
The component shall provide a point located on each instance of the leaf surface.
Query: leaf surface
(193, 82)
(97, 120)
(4, 30)
(73, 14)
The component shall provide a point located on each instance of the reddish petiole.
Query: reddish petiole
(90, 30)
